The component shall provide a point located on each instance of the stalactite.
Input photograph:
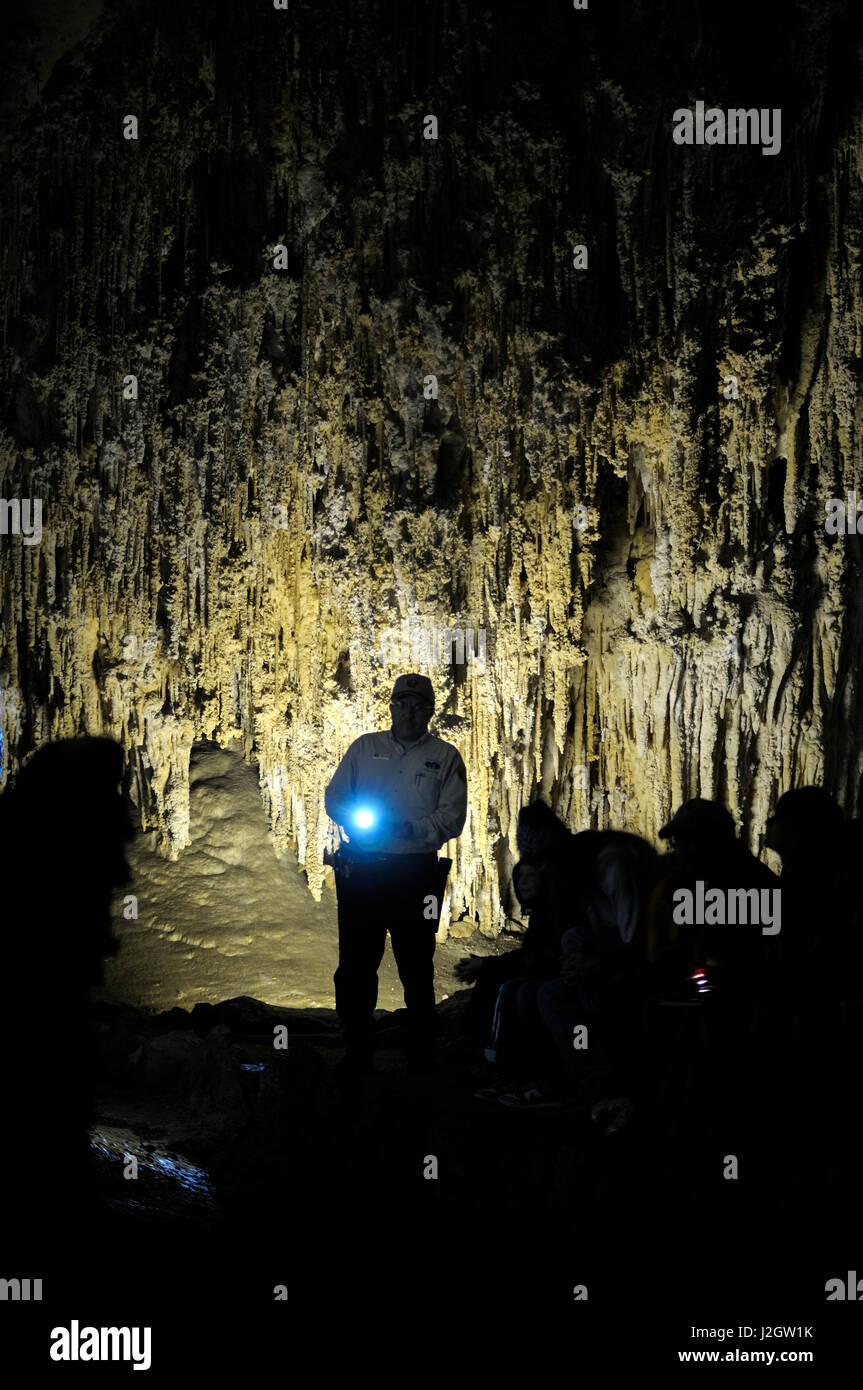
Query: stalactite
(283, 472)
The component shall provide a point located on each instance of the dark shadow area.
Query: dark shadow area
(204, 1159)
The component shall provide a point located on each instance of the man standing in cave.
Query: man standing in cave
(398, 796)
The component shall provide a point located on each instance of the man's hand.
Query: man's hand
(384, 827)
(468, 968)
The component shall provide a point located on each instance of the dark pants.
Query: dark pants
(613, 1021)
(561, 1009)
(519, 1042)
(387, 895)
(479, 1014)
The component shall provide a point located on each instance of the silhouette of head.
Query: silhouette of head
(700, 827)
(539, 834)
(68, 823)
(804, 818)
(71, 790)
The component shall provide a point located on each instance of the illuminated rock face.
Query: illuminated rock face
(619, 487)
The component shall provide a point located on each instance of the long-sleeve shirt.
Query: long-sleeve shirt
(425, 784)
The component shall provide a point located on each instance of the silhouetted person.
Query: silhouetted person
(706, 849)
(541, 885)
(603, 881)
(602, 976)
(853, 859)
(62, 834)
(720, 935)
(400, 796)
(809, 833)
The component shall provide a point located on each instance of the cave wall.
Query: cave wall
(223, 557)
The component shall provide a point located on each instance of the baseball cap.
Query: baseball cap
(420, 686)
(699, 815)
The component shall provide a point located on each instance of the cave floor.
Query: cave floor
(262, 1170)
(259, 1170)
(228, 918)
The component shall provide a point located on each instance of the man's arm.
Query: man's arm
(340, 800)
(340, 791)
(447, 822)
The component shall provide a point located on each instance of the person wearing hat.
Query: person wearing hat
(808, 832)
(397, 796)
(698, 827)
(706, 848)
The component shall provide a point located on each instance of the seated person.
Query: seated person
(819, 940)
(600, 981)
(738, 957)
(539, 881)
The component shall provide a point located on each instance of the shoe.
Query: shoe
(530, 1098)
(612, 1116)
(494, 1091)
(550, 1094)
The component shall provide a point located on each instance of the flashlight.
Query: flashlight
(364, 819)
